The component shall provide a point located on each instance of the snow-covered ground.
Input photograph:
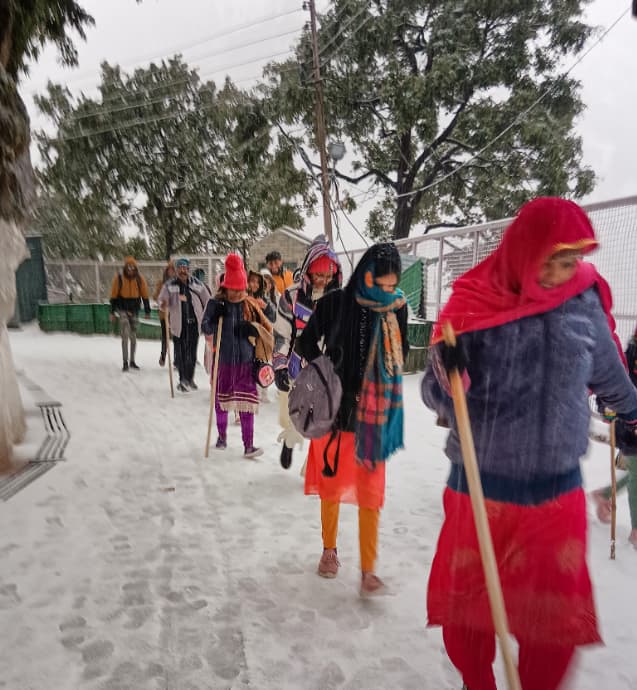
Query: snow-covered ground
(139, 564)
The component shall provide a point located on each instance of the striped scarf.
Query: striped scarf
(379, 414)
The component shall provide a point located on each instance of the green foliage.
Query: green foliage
(422, 91)
(36, 22)
(194, 167)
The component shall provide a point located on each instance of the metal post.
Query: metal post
(210, 278)
(476, 240)
(98, 287)
(64, 285)
(441, 248)
(320, 128)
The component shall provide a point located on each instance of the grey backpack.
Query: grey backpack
(315, 398)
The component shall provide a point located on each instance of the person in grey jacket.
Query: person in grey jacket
(535, 335)
(185, 298)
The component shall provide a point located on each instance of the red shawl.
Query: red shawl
(504, 287)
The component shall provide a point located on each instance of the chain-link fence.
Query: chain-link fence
(87, 281)
(448, 254)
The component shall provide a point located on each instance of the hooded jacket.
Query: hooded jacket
(297, 304)
(127, 293)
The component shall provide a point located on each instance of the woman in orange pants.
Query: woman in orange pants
(364, 329)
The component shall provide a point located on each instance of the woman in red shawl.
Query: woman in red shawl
(534, 336)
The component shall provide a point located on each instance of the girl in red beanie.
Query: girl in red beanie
(246, 335)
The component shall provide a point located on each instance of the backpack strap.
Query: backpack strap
(327, 470)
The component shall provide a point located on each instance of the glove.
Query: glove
(453, 357)
(247, 330)
(626, 436)
(222, 309)
(113, 317)
(608, 414)
(282, 380)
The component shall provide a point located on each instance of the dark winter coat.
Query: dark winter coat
(528, 399)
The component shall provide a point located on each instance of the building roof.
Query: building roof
(294, 234)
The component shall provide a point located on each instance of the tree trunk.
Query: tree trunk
(16, 194)
(404, 218)
(13, 250)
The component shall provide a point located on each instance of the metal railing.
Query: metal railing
(89, 281)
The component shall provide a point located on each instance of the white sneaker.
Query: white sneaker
(253, 452)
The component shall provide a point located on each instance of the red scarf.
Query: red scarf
(504, 287)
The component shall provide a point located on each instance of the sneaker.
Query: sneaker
(603, 506)
(162, 360)
(125, 366)
(192, 385)
(221, 443)
(329, 564)
(286, 457)
(252, 452)
(133, 365)
(372, 585)
(183, 388)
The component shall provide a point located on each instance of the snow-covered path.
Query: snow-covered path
(138, 564)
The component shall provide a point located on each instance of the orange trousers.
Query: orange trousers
(367, 532)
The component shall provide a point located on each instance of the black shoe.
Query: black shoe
(133, 365)
(286, 457)
(162, 360)
(182, 387)
(192, 385)
(125, 366)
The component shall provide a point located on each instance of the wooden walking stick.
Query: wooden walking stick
(170, 366)
(213, 389)
(613, 491)
(487, 553)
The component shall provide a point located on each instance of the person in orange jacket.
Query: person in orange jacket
(282, 277)
(129, 289)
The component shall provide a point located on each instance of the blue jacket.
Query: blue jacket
(528, 399)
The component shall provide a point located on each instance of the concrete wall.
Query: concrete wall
(292, 250)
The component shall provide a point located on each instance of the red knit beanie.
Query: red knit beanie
(322, 264)
(235, 277)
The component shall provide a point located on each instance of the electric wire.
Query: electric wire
(178, 49)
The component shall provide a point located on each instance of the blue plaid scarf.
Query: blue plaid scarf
(379, 414)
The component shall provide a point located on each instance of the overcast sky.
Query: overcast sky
(131, 35)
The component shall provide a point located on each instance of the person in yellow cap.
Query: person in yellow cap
(128, 291)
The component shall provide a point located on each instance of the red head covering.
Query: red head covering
(504, 287)
(322, 264)
(235, 277)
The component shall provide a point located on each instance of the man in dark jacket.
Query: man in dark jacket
(128, 291)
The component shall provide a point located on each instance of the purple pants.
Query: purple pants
(247, 425)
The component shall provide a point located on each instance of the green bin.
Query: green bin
(419, 333)
(149, 331)
(102, 318)
(79, 318)
(52, 317)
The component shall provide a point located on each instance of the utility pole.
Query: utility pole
(320, 128)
